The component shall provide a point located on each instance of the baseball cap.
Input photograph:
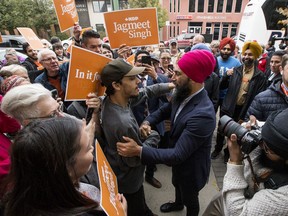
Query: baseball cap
(116, 69)
(173, 41)
(154, 57)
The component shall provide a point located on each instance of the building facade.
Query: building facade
(219, 18)
(90, 12)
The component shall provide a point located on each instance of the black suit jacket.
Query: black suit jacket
(190, 140)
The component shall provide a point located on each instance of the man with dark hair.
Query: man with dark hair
(273, 73)
(275, 97)
(118, 122)
(31, 63)
(91, 41)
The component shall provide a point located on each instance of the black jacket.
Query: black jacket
(212, 88)
(32, 69)
(258, 83)
(268, 101)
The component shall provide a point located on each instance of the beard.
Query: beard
(182, 92)
(248, 62)
(224, 56)
(276, 166)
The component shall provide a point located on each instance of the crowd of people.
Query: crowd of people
(159, 110)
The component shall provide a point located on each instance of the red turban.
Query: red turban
(226, 41)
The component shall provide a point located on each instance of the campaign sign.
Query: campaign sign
(1, 39)
(84, 74)
(66, 13)
(31, 38)
(135, 27)
(108, 185)
(131, 59)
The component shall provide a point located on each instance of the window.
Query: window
(229, 6)
(216, 31)
(101, 5)
(191, 5)
(170, 6)
(174, 5)
(208, 28)
(220, 6)
(178, 6)
(234, 29)
(178, 28)
(211, 6)
(225, 30)
(200, 5)
(123, 4)
(238, 6)
(100, 28)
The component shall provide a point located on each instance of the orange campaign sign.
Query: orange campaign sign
(84, 74)
(1, 40)
(31, 38)
(133, 27)
(131, 59)
(108, 185)
(66, 13)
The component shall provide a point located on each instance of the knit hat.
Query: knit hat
(255, 48)
(197, 64)
(116, 69)
(200, 46)
(275, 133)
(226, 41)
(11, 82)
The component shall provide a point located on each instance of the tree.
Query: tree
(38, 14)
(161, 12)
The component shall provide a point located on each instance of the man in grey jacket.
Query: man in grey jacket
(118, 122)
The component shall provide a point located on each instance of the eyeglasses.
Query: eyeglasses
(49, 59)
(55, 113)
(165, 58)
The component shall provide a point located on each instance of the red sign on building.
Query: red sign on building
(183, 17)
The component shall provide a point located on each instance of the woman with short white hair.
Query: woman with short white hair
(14, 69)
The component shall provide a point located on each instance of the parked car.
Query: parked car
(12, 41)
(182, 40)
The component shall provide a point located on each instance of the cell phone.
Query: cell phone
(146, 60)
(171, 67)
(54, 94)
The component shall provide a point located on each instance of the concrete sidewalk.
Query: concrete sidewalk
(156, 197)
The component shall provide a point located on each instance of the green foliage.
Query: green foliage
(62, 35)
(26, 13)
(161, 12)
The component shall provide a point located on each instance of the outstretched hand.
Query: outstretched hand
(145, 130)
(129, 148)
